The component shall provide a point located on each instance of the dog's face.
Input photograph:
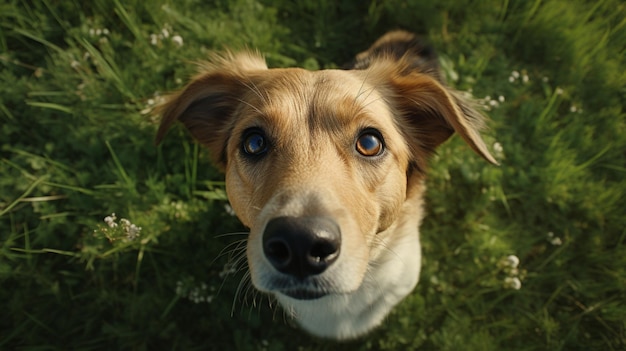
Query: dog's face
(316, 168)
(326, 170)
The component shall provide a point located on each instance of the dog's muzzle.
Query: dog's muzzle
(301, 248)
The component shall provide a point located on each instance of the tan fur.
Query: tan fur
(312, 120)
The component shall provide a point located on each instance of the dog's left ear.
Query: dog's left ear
(430, 113)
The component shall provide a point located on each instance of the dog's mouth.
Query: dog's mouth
(303, 294)
(310, 289)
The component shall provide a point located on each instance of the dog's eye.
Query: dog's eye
(369, 143)
(254, 143)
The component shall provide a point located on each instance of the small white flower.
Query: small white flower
(105, 31)
(559, 91)
(515, 74)
(573, 108)
(98, 31)
(229, 210)
(525, 78)
(154, 39)
(501, 98)
(110, 220)
(133, 232)
(165, 33)
(178, 40)
(498, 149)
(75, 64)
(512, 283)
(511, 79)
(511, 261)
(556, 241)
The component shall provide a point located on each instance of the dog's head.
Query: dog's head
(325, 168)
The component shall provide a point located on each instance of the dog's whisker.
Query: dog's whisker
(230, 234)
(243, 283)
(241, 262)
(230, 249)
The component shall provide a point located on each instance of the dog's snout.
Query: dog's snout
(301, 246)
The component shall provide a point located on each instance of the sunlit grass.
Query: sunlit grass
(526, 256)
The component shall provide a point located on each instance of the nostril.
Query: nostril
(324, 251)
(278, 252)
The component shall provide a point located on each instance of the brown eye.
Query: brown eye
(369, 144)
(254, 143)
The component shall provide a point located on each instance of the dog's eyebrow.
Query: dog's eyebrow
(334, 115)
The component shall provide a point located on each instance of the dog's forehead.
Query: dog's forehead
(312, 101)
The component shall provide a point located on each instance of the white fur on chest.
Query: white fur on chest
(390, 277)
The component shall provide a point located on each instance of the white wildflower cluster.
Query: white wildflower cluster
(517, 76)
(101, 34)
(166, 34)
(98, 32)
(124, 230)
(195, 293)
(553, 239)
(510, 266)
(575, 109)
(490, 103)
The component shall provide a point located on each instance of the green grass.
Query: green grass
(78, 81)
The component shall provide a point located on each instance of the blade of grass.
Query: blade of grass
(50, 106)
(30, 189)
(120, 168)
(138, 267)
(28, 175)
(107, 68)
(39, 40)
(133, 27)
(43, 251)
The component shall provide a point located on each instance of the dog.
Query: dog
(326, 168)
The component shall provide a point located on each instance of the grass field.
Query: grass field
(79, 80)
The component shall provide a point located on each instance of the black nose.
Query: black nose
(301, 246)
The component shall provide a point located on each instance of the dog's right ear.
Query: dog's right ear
(207, 104)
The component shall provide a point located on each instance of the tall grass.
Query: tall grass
(77, 87)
